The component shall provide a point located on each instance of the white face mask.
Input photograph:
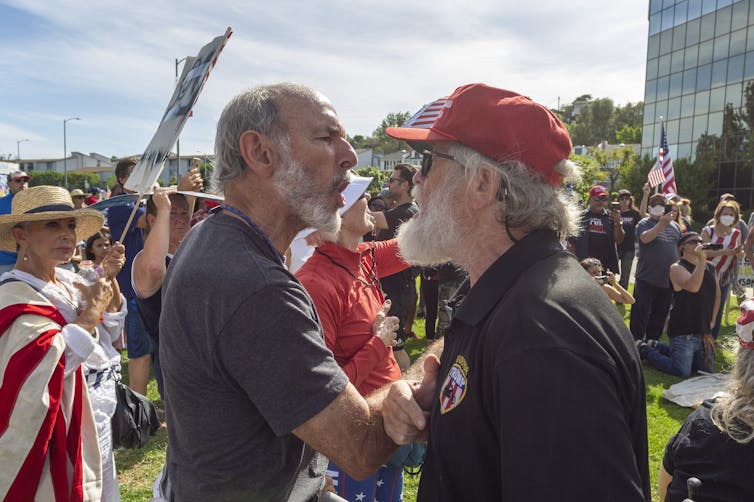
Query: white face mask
(727, 220)
(657, 210)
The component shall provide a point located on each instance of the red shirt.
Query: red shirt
(347, 307)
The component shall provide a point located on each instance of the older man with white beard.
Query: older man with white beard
(540, 393)
(256, 400)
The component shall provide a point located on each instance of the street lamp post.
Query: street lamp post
(18, 150)
(65, 152)
(178, 140)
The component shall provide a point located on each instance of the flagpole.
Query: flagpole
(131, 217)
(659, 158)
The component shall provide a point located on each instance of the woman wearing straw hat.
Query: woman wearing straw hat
(49, 325)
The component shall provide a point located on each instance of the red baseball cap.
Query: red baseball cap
(500, 124)
(597, 191)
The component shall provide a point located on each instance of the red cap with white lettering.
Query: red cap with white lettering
(500, 124)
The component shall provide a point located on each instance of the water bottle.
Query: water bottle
(88, 273)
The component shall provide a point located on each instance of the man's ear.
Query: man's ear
(256, 151)
(483, 188)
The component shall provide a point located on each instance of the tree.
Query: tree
(594, 123)
(628, 135)
(384, 143)
(46, 178)
(590, 175)
(733, 135)
(631, 116)
(613, 162)
(633, 177)
(599, 119)
(378, 178)
(360, 141)
(81, 180)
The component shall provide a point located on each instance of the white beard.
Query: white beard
(312, 207)
(430, 240)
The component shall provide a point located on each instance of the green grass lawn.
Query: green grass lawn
(137, 469)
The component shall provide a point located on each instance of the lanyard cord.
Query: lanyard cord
(373, 280)
(256, 228)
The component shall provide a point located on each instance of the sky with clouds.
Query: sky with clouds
(112, 63)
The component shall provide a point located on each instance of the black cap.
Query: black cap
(686, 236)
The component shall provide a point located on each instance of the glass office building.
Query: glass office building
(700, 55)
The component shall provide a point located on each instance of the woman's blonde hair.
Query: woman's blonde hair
(727, 203)
(735, 415)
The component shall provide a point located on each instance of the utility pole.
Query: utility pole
(65, 153)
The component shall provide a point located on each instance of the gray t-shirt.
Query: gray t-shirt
(655, 258)
(244, 363)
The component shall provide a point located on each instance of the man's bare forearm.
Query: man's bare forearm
(416, 371)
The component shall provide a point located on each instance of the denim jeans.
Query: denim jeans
(684, 356)
(626, 262)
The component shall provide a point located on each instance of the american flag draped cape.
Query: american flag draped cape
(48, 441)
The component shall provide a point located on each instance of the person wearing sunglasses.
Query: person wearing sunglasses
(601, 231)
(629, 217)
(696, 300)
(400, 287)
(533, 332)
(17, 181)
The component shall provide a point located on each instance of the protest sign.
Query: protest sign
(195, 73)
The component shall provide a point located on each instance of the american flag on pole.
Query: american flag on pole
(668, 185)
(655, 176)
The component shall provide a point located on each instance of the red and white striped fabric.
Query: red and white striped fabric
(666, 161)
(428, 114)
(724, 264)
(48, 440)
(655, 176)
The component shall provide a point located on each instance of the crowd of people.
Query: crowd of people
(297, 386)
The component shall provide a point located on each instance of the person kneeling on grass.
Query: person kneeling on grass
(696, 299)
(715, 442)
(610, 286)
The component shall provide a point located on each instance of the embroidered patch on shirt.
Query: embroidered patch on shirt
(454, 387)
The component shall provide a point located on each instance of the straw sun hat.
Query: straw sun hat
(43, 203)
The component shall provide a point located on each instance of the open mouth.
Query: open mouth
(341, 187)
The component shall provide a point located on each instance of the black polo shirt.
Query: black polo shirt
(540, 391)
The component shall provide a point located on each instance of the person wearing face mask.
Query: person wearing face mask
(696, 298)
(658, 237)
(723, 232)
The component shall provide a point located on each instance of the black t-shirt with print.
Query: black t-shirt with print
(629, 219)
(395, 217)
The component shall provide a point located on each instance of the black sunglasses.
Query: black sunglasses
(427, 160)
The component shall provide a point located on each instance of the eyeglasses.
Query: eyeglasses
(397, 180)
(602, 198)
(693, 241)
(427, 160)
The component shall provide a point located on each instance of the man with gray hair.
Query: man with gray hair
(255, 396)
(540, 392)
